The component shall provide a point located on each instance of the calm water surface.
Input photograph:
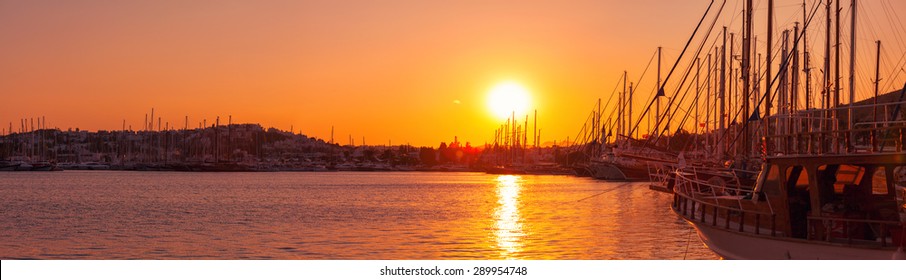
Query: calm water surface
(340, 215)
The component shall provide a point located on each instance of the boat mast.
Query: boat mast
(619, 113)
(874, 140)
(708, 104)
(524, 138)
(746, 61)
(630, 112)
(698, 70)
(808, 77)
(783, 128)
(623, 99)
(794, 90)
(828, 113)
(852, 76)
(734, 148)
(837, 79)
(769, 77)
(535, 131)
(723, 89)
(657, 96)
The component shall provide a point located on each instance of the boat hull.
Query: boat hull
(614, 172)
(736, 245)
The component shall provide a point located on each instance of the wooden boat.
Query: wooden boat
(803, 207)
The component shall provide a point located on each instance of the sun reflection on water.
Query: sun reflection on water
(509, 225)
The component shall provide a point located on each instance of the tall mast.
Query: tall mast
(826, 94)
(806, 68)
(733, 80)
(768, 76)
(535, 131)
(524, 137)
(836, 119)
(723, 88)
(630, 112)
(805, 63)
(794, 73)
(619, 111)
(657, 96)
(852, 74)
(794, 90)
(875, 108)
(783, 97)
(698, 70)
(874, 141)
(596, 119)
(708, 104)
(746, 64)
(623, 105)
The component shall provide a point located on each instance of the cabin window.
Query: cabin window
(772, 182)
(799, 174)
(842, 175)
(879, 181)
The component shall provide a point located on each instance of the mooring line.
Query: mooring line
(606, 191)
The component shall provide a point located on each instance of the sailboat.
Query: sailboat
(822, 192)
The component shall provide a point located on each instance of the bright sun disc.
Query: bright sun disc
(506, 98)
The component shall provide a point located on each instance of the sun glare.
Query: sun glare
(507, 98)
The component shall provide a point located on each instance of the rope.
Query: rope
(688, 238)
(606, 191)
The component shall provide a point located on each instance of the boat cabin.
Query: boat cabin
(839, 198)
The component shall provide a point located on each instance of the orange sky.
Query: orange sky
(383, 70)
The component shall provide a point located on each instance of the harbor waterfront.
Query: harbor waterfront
(487, 131)
(336, 215)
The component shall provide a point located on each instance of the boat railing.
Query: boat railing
(856, 231)
(812, 132)
(659, 174)
(703, 201)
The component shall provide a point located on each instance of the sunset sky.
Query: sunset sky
(416, 72)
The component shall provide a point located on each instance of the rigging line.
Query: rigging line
(896, 112)
(681, 84)
(642, 116)
(638, 82)
(695, 31)
(894, 24)
(737, 113)
(890, 79)
(688, 240)
(709, 74)
(686, 117)
(613, 111)
(678, 60)
(898, 23)
(673, 112)
(783, 65)
(616, 86)
(592, 115)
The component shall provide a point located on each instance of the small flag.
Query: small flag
(755, 115)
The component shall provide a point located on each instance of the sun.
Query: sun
(507, 98)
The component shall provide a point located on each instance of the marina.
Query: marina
(769, 130)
